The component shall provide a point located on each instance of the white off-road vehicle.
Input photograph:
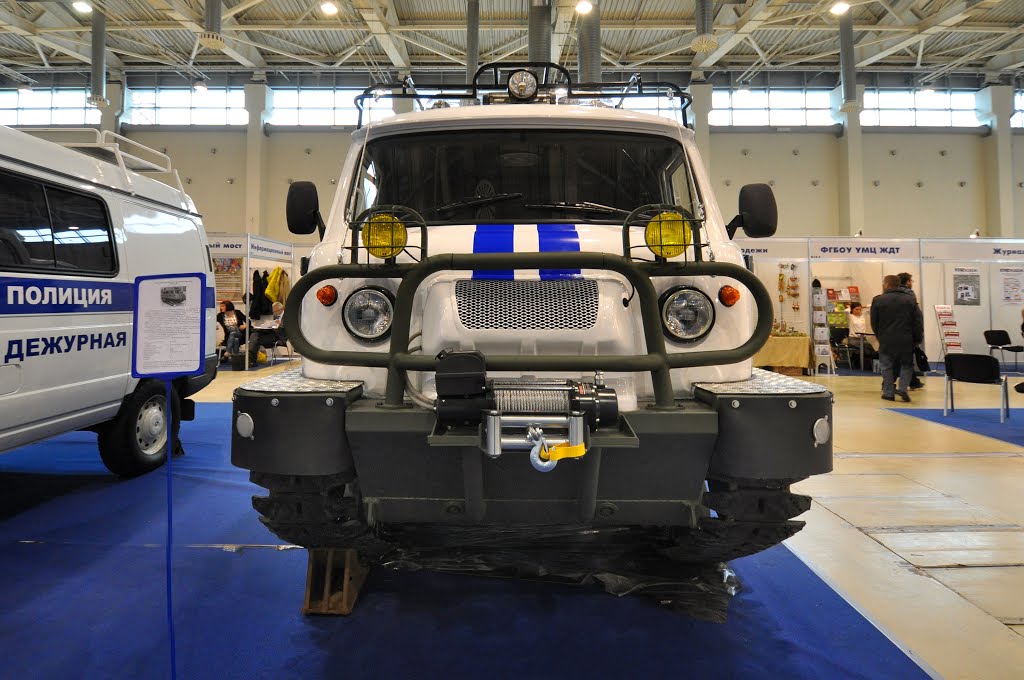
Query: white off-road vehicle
(527, 319)
(80, 219)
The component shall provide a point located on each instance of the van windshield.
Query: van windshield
(524, 176)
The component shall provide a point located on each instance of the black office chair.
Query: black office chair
(1000, 340)
(975, 368)
(839, 348)
(272, 351)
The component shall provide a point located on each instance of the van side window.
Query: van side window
(25, 237)
(81, 232)
(44, 227)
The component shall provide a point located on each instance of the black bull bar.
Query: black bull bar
(658, 361)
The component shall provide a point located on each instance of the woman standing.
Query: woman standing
(232, 322)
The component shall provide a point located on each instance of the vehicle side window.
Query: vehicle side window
(25, 237)
(45, 227)
(81, 232)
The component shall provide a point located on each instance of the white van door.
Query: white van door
(161, 242)
(65, 311)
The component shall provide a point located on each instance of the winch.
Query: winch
(521, 414)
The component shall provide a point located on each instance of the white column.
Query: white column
(257, 103)
(851, 162)
(700, 109)
(995, 107)
(110, 117)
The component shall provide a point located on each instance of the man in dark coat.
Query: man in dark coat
(899, 326)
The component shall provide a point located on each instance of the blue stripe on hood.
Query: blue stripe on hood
(494, 238)
(558, 238)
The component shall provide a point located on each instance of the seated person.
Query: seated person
(232, 322)
(266, 334)
(860, 333)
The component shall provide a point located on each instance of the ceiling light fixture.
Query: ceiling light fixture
(839, 8)
(927, 91)
(329, 8)
(82, 7)
(584, 7)
(199, 86)
(860, 232)
(976, 233)
(25, 88)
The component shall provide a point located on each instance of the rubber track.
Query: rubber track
(313, 513)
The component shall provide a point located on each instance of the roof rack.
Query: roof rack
(554, 86)
(126, 154)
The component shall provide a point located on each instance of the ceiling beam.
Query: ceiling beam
(682, 26)
(941, 21)
(239, 8)
(381, 17)
(564, 12)
(28, 29)
(438, 51)
(1010, 59)
(180, 11)
(746, 24)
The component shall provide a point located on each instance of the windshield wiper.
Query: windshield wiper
(585, 206)
(475, 201)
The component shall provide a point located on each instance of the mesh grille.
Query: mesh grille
(542, 305)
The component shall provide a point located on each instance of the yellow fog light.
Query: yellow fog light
(385, 236)
(668, 234)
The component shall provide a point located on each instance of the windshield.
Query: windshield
(524, 176)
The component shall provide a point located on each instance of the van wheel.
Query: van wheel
(135, 441)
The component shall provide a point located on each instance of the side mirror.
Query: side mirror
(759, 215)
(303, 209)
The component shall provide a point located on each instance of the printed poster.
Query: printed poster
(1012, 279)
(966, 286)
(227, 272)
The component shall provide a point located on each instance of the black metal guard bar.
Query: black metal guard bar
(634, 87)
(398, 360)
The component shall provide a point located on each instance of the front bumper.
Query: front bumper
(650, 469)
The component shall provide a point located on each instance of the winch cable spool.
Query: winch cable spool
(527, 401)
(516, 412)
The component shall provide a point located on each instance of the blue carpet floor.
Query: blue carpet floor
(82, 596)
(983, 421)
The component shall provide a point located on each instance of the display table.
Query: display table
(788, 352)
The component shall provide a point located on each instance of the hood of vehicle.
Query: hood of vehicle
(525, 238)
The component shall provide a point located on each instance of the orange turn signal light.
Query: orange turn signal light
(327, 295)
(728, 296)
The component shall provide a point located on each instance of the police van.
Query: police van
(79, 221)
(528, 313)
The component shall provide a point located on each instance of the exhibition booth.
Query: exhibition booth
(976, 282)
(242, 266)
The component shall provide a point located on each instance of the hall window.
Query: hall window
(1018, 110)
(185, 106)
(47, 106)
(922, 107)
(775, 107)
(324, 106)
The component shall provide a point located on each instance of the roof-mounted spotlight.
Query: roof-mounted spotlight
(584, 7)
(860, 232)
(976, 233)
(839, 8)
(199, 86)
(82, 7)
(25, 88)
(329, 8)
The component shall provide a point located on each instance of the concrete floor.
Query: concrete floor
(920, 526)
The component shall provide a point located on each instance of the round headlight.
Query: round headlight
(687, 314)
(668, 234)
(385, 236)
(368, 314)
